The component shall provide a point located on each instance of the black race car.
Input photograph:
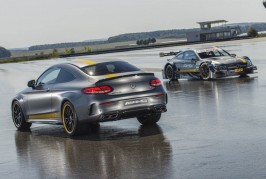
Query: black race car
(205, 64)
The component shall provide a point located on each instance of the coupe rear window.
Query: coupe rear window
(109, 68)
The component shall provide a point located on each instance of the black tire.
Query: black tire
(70, 120)
(205, 72)
(170, 73)
(19, 118)
(243, 76)
(93, 127)
(149, 119)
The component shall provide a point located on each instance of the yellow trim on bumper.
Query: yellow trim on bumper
(187, 70)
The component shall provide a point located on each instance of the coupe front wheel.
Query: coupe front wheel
(18, 117)
(149, 119)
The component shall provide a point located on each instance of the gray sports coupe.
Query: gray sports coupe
(86, 92)
(205, 64)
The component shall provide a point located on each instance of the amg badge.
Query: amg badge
(137, 101)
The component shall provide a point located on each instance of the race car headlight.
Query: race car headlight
(249, 63)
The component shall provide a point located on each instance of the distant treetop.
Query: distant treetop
(252, 32)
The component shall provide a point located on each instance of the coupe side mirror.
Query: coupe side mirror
(31, 84)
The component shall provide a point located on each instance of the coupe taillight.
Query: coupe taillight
(98, 90)
(155, 82)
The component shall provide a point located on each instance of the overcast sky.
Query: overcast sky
(31, 22)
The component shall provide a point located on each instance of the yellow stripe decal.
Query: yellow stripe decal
(111, 75)
(45, 116)
(243, 60)
(187, 70)
(88, 62)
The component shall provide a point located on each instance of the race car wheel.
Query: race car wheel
(18, 117)
(149, 119)
(205, 72)
(70, 119)
(170, 73)
(244, 75)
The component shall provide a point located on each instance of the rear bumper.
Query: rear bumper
(117, 109)
(131, 113)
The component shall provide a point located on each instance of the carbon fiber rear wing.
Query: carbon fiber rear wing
(162, 54)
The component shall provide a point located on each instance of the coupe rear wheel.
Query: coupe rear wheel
(93, 127)
(70, 119)
(170, 73)
(149, 119)
(205, 72)
(18, 117)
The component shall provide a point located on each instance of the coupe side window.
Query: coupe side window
(64, 76)
(48, 77)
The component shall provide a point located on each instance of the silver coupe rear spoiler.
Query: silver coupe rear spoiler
(122, 76)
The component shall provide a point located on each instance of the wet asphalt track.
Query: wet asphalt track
(213, 129)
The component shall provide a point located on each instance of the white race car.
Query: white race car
(205, 64)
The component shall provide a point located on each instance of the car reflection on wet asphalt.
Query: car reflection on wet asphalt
(107, 153)
(213, 129)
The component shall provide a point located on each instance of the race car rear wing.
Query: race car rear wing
(162, 54)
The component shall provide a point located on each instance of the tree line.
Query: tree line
(64, 45)
(177, 33)
(67, 51)
(162, 34)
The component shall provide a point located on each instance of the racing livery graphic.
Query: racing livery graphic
(205, 64)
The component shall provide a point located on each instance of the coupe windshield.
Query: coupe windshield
(109, 68)
(213, 53)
